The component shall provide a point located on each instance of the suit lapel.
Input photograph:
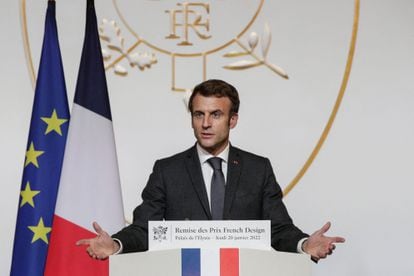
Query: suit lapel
(196, 175)
(233, 175)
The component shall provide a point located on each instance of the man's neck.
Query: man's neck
(204, 154)
(213, 152)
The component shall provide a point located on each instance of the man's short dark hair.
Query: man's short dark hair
(216, 88)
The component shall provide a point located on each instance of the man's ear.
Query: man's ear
(233, 120)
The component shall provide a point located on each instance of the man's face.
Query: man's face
(211, 121)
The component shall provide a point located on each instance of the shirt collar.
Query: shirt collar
(205, 155)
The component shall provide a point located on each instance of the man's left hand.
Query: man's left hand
(320, 246)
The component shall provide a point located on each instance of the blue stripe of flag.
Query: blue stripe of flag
(91, 89)
(190, 262)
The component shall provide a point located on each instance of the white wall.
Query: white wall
(361, 179)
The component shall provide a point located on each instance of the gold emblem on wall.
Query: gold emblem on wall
(188, 27)
(188, 30)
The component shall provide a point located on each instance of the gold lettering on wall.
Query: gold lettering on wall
(192, 16)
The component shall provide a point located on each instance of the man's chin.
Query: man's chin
(209, 147)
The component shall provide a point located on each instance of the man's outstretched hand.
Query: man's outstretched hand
(100, 247)
(320, 246)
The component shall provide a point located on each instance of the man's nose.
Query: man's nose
(206, 122)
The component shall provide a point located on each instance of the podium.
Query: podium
(252, 262)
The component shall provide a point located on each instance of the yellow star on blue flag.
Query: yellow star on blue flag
(53, 123)
(40, 231)
(27, 195)
(31, 156)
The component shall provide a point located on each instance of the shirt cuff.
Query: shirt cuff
(299, 248)
(120, 246)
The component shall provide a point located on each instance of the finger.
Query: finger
(340, 239)
(97, 227)
(322, 255)
(90, 252)
(337, 240)
(83, 242)
(325, 228)
(101, 257)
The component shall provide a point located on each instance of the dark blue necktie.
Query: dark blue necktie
(218, 186)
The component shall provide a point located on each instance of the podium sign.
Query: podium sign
(253, 234)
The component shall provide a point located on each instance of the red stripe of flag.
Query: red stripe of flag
(67, 259)
(229, 262)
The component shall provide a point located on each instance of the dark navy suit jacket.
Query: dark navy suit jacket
(176, 191)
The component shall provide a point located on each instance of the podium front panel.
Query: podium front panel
(251, 263)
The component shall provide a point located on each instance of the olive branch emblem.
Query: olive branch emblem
(252, 41)
(110, 34)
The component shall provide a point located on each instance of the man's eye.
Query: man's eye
(197, 115)
(216, 115)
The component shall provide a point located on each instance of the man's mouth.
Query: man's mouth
(206, 135)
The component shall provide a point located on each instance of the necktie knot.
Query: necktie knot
(215, 163)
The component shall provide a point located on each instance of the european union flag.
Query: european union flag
(44, 157)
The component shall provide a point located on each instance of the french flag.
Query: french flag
(90, 185)
(207, 262)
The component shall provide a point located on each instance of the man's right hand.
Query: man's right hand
(100, 247)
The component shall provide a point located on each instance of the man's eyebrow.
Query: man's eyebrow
(217, 111)
(208, 111)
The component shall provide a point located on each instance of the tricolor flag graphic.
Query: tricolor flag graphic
(208, 262)
(90, 186)
(44, 157)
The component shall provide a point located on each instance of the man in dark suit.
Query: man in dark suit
(179, 186)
